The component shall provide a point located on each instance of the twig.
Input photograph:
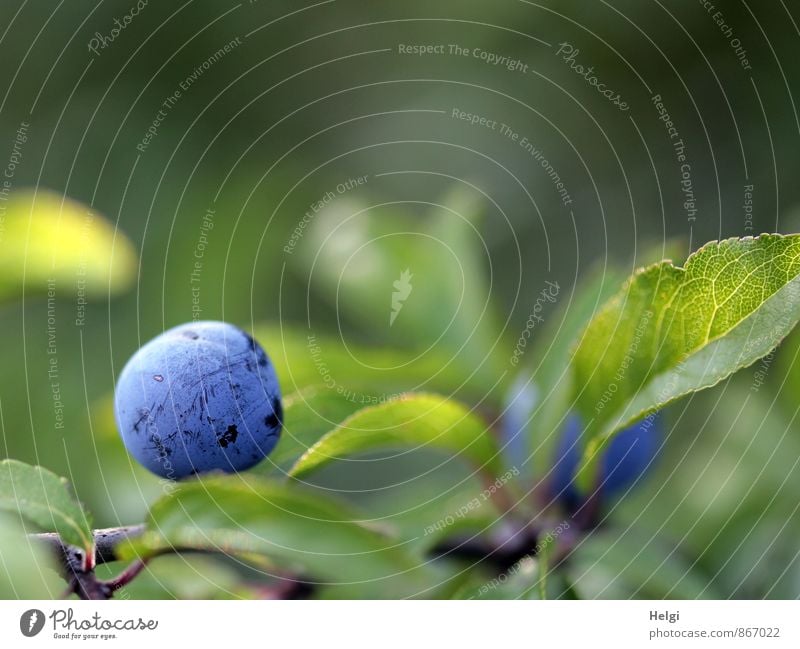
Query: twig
(500, 555)
(79, 573)
(82, 581)
(127, 575)
(289, 589)
(497, 494)
(106, 542)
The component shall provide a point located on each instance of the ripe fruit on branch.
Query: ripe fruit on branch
(625, 460)
(200, 397)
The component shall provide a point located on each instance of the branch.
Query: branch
(106, 542)
(81, 579)
(500, 556)
(500, 553)
(84, 583)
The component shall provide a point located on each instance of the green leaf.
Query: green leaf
(301, 532)
(48, 241)
(195, 576)
(411, 420)
(27, 569)
(307, 415)
(546, 381)
(551, 373)
(43, 499)
(673, 331)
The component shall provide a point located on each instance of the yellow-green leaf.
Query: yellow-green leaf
(410, 420)
(47, 240)
(675, 330)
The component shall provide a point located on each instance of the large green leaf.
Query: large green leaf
(672, 331)
(48, 242)
(300, 531)
(411, 420)
(43, 499)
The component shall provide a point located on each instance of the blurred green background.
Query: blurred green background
(309, 98)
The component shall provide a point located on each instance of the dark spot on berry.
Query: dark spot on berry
(250, 341)
(158, 378)
(192, 335)
(261, 356)
(228, 437)
(143, 414)
(275, 419)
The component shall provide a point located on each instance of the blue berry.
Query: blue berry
(521, 400)
(200, 397)
(626, 458)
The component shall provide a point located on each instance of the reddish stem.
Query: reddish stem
(127, 575)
